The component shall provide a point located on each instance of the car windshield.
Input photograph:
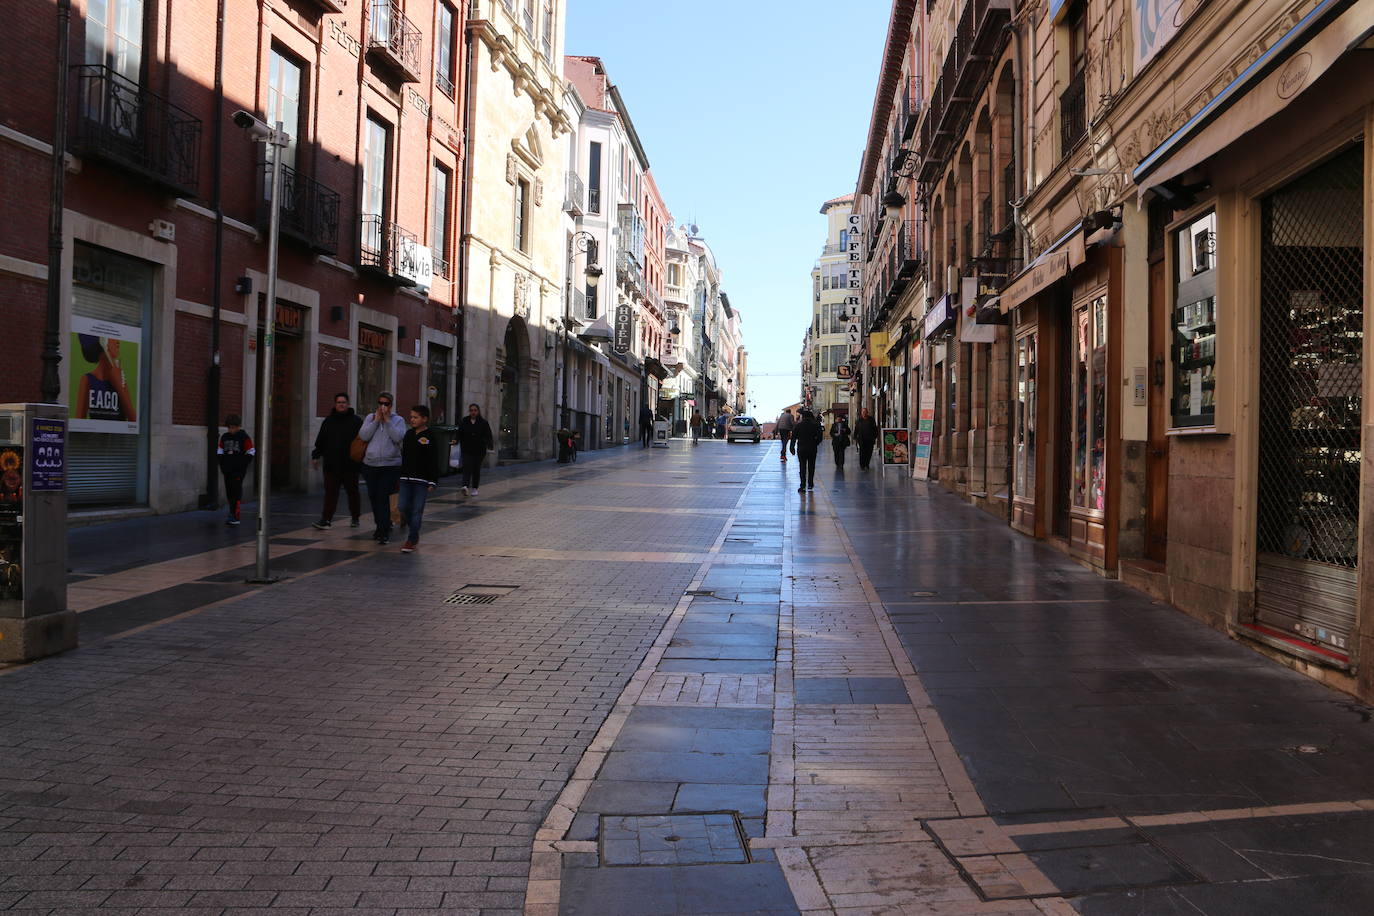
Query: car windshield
(743, 421)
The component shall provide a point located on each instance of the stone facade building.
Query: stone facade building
(1148, 260)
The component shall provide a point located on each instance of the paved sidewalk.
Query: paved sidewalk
(664, 682)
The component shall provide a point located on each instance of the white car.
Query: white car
(743, 428)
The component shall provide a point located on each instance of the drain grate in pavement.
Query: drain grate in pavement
(479, 594)
(711, 838)
(702, 592)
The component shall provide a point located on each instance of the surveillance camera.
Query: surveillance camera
(255, 128)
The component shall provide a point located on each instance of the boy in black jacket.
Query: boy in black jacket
(236, 451)
(420, 456)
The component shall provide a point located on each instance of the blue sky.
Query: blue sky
(753, 113)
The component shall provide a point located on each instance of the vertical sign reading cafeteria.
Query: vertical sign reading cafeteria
(108, 359)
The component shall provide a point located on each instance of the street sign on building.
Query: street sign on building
(624, 328)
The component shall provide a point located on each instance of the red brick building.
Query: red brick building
(164, 247)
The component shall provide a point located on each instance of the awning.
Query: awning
(1263, 89)
(1052, 265)
(656, 368)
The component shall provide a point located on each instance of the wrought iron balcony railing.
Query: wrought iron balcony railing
(121, 122)
(394, 40)
(1073, 114)
(309, 210)
(387, 249)
(966, 70)
(574, 201)
(628, 271)
(442, 268)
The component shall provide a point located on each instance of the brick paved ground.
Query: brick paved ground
(695, 692)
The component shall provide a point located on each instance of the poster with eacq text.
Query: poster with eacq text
(103, 376)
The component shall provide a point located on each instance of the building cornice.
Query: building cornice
(526, 78)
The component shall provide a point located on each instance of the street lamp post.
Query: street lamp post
(582, 242)
(275, 140)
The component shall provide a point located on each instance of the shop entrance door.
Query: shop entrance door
(1311, 378)
(284, 437)
(1157, 446)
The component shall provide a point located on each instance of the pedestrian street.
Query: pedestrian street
(662, 681)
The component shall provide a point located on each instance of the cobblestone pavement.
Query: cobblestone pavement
(663, 682)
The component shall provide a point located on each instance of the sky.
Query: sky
(752, 113)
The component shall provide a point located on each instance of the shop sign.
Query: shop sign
(1046, 270)
(287, 319)
(1155, 23)
(855, 250)
(48, 455)
(940, 316)
(103, 376)
(925, 434)
(372, 339)
(896, 447)
(414, 262)
(624, 328)
(877, 349)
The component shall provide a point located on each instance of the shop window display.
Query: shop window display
(1195, 324)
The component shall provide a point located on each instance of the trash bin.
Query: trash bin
(448, 438)
(661, 433)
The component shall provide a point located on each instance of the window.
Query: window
(522, 215)
(284, 100)
(830, 322)
(444, 48)
(376, 156)
(527, 17)
(114, 36)
(674, 274)
(1090, 404)
(1025, 416)
(439, 218)
(1195, 322)
(546, 36)
(594, 178)
(832, 357)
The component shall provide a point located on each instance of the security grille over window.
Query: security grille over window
(1312, 320)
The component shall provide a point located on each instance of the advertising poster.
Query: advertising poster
(49, 455)
(896, 447)
(103, 376)
(925, 434)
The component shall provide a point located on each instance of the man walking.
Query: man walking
(383, 431)
(332, 445)
(646, 426)
(474, 440)
(807, 436)
(696, 423)
(866, 435)
(786, 424)
(839, 440)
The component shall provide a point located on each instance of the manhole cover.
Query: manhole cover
(479, 594)
(711, 838)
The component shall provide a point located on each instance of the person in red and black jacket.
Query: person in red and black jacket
(236, 451)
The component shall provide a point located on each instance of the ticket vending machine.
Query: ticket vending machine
(34, 618)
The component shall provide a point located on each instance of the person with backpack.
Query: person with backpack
(332, 445)
(786, 423)
(236, 452)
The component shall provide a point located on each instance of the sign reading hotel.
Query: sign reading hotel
(103, 381)
(624, 328)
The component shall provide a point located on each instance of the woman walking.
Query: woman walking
(866, 434)
(839, 440)
(419, 474)
(474, 440)
(383, 432)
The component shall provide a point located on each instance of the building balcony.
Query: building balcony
(327, 6)
(574, 194)
(1073, 114)
(309, 210)
(120, 122)
(966, 71)
(909, 106)
(628, 272)
(388, 251)
(393, 40)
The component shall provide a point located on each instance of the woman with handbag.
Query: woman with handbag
(334, 445)
(474, 441)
